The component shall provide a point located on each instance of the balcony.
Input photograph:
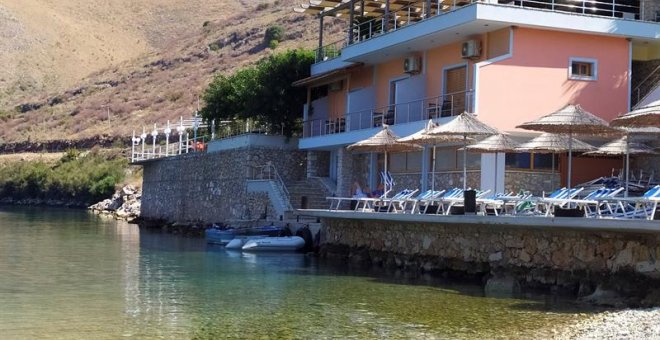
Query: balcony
(419, 110)
(380, 22)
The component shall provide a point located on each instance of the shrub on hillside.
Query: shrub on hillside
(274, 33)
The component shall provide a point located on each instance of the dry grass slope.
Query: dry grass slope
(118, 71)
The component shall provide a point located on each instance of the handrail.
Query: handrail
(399, 113)
(269, 172)
(591, 7)
(330, 51)
(637, 91)
(657, 68)
(141, 151)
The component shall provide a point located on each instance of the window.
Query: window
(535, 161)
(518, 160)
(405, 162)
(544, 161)
(452, 159)
(583, 69)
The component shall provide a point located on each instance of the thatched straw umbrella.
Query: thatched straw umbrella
(571, 119)
(645, 120)
(384, 141)
(648, 116)
(553, 144)
(422, 137)
(464, 125)
(623, 146)
(494, 144)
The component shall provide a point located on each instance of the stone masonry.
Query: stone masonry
(211, 187)
(563, 257)
(533, 182)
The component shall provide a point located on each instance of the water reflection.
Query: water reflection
(70, 275)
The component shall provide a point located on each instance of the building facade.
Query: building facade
(404, 62)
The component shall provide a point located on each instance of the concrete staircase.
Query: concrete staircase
(277, 196)
(308, 193)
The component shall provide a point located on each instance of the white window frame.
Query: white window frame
(593, 62)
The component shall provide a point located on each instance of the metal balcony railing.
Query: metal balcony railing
(401, 113)
(402, 16)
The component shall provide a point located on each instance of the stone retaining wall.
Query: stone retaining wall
(211, 187)
(571, 260)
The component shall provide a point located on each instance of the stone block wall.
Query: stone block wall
(361, 169)
(211, 187)
(318, 163)
(534, 182)
(534, 256)
(443, 180)
(344, 173)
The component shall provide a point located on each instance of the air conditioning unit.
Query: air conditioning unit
(471, 49)
(335, 86)
(412, 65)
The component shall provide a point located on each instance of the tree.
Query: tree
(263, 93)
(228, 97)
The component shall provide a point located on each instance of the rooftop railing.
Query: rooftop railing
(399, 17)
(401, 113)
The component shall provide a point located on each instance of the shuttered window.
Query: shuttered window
(455, 88)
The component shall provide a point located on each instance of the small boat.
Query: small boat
(218, 236)
(223, 236)
(239, 241)
(275, 243)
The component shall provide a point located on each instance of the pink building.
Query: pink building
(404, 62)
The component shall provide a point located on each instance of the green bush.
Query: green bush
(263, 93)
(275, 32)
(86, 179)
(273, 44)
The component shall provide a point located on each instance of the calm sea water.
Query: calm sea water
(66, 274)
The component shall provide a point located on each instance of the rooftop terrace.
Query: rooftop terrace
(369, 19)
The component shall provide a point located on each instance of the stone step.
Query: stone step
(315, 194)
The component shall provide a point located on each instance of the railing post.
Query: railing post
(143, 136)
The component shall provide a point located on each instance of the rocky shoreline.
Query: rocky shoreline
(124, 204)
(624, 324)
